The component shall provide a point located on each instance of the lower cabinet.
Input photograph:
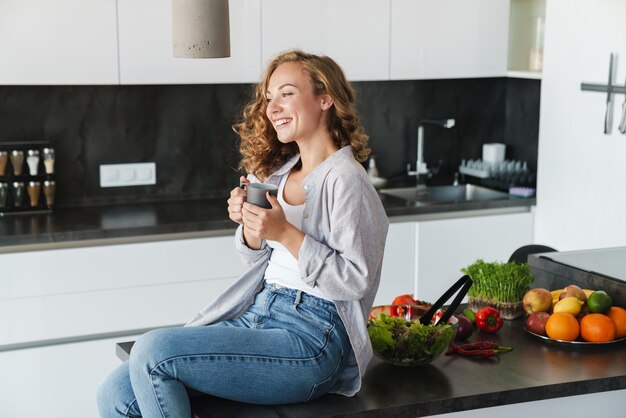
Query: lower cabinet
(75, 292)
(398, 272)
(426, 257)
(58, 381)
(444, 247)
(62, 311)
(606, 404)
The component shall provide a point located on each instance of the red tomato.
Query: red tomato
(437, 316)
(406, 299)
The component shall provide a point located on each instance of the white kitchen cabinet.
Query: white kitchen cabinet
(58, 42)
(578, 208)
(445, 246)
(355, 33)
(606, 404)
(526, 38)
(145, 46)
(82, 292)
(432, 39)
(60, 310)
(425, 257)
(398, 272)
(59, 381)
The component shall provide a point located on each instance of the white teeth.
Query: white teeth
(282, 121)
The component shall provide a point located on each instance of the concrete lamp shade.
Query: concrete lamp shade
(200, 29)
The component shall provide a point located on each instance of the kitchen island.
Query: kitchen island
(538, 377)
(533, 371)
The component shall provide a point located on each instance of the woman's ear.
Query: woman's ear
(327, 101)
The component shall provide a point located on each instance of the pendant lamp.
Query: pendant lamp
(200, 29)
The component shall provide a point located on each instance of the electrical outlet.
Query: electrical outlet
(120, 175)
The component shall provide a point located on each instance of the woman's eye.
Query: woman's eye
(285, 94)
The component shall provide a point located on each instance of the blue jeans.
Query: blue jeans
(287, 347)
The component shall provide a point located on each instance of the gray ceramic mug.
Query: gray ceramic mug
(256, 193)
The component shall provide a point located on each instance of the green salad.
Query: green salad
(403, 342)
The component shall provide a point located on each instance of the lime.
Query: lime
(470, 314)
(599, 302)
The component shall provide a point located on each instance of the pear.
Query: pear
(575, 291)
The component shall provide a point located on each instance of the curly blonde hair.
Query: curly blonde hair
(262, 152)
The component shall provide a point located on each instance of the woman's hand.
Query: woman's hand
(265, 223)
(236, 201)
(271, 224)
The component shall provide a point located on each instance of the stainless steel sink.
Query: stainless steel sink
(428, 195)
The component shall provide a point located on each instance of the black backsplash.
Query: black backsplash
(186, 130)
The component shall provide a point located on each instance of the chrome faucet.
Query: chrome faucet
(420, 165)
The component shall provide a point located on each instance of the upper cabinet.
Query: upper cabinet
(58, 42)
(145, 46)
(526, 33)
(355, 33)
(448, 38)
(130, 41)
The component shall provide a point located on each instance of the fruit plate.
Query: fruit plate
(573, 344)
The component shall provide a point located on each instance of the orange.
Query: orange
(597, 328)
(562, 326)
(618, 315)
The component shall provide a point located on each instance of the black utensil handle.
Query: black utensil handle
(464, 283)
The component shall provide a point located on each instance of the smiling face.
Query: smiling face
(293, 108)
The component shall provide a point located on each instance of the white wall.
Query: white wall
(581, 187)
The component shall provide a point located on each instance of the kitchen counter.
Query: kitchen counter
(535, 370)
(97, 225)
(532, 371)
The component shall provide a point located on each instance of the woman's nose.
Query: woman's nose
(272, 107)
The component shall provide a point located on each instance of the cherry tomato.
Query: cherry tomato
(437, 316)
(406, 299)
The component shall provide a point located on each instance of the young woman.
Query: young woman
(293, 327)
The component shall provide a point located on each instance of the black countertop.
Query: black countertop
(532, 371)
(145, 221)
(536, 369)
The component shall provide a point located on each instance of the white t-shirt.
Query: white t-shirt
(283, 267)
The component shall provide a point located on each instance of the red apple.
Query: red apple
(537, 300)
(536, 322)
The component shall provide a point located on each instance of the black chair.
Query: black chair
(521, 254)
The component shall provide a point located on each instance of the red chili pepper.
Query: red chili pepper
(477, 353)
(488, 319)
(478, 345)
(483, 345)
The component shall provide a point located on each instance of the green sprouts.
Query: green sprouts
(499, 282)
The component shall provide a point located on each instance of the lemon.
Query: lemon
(569, 304)
(556, 293)
(588, 292)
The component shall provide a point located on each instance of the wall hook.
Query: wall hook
(610, 89)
